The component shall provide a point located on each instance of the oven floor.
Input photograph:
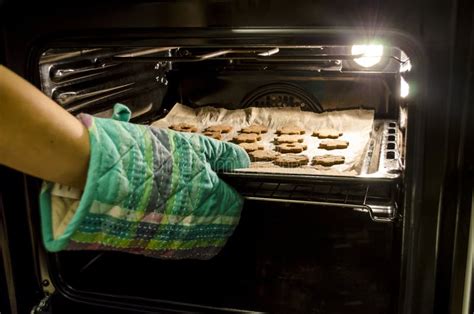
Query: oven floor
(281, 259)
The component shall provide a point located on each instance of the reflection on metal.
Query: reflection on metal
(99, 99)
(144, 52)
(49, 57)
(468, 301)
(383, 158)
(64, 73)
(376, 213)
(187, 56)
(405, 63)
(404, 88)
(226, 55)
(269, 52)
(368, 156)
(69, 97)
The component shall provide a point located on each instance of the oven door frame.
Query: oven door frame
(420, 260)
(275, 36)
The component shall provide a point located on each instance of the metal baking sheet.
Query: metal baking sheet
(356, 124)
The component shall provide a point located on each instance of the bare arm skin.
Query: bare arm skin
(39, 137)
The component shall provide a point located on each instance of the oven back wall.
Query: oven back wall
(231, 91)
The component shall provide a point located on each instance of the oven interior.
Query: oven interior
(305, 243)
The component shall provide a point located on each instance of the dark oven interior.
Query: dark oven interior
(307, 244)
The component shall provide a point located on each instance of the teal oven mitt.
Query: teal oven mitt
(149, 191)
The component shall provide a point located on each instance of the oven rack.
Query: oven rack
(377, 198)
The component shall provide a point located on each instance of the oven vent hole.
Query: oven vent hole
(390, 155)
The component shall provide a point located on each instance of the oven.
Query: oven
(372, 240)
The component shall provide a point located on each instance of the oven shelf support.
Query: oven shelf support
(377, 213)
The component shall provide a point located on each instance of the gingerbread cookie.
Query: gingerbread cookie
(290, 130)
(255, 128)
(221, 128)
(289, 139)
(291, 161)
(333, 144)
(327, 133)
(290, 147)
(250, 147)
(263, 155)
(184, 127)
(328, 160)
(214, 135)
(247, 138)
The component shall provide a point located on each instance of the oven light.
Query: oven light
(371, 54)
(404, 87)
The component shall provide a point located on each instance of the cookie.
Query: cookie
(328, 160)
(250, 147)
(290, 130)
(290, 147)
(247, 138)
(184, 127)
(263, 155)
(255, 128)
(289, 139)
(221, 128)
(327, 133)
(291, 161)
(214, 135)
(333, 144)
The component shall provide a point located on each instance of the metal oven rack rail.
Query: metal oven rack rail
(377, 197)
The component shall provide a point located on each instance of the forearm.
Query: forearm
(39, 137)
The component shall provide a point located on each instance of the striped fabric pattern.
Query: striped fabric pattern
(154, 192)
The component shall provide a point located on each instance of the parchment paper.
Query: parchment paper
(356, 124)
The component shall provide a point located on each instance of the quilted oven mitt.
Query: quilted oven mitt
(149, 191)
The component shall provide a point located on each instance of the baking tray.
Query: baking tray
(376, 190)
(382, 160)
(357, 126)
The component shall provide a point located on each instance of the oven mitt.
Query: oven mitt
(149, 191)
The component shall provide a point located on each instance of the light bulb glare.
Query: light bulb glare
(371, 54)
(404, 88)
